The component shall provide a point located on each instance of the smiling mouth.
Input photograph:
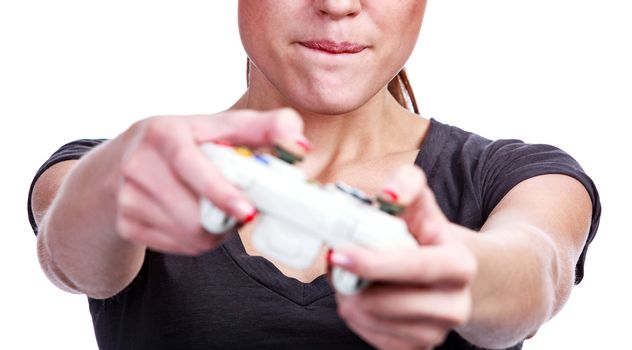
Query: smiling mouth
(333, 47)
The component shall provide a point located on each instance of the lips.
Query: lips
(333, 47)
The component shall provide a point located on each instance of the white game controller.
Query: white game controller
(296, 217)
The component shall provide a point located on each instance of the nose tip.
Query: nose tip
(337, 9)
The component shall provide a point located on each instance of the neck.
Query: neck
(374, 130)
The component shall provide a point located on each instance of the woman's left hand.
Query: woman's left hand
(417, 295)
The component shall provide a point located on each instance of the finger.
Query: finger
(404, 185)
(423, 265)
(175, 147)
(173, 139)
(408, 187)
(391, 334)
(283, 127)
(143, 234)
(138, 206)
(448, 307)
(404, 337)
(135, 203)
(178, 210)
(378, 339)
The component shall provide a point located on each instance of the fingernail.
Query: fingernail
(304, 144)
(390, 194)
(242, 210)
(285, 155)
(388, 201)
(329, 253)
(339, 259)
(250, 217)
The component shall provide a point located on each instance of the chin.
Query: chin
(328, 107)
(328, 103)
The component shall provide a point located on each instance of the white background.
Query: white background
(552, 71)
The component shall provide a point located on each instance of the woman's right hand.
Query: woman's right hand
(163, 174)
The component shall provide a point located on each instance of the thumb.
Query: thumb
(409, 188)
(278, 127)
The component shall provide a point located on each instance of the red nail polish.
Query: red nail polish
(250, 217)
(393, 196)
(329, 254)
(304, 144)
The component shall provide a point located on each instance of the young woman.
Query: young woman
(502, 226)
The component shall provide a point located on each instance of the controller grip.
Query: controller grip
(214, 220)
(346, 282)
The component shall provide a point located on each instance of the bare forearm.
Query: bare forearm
(515, 289)
(78, 246)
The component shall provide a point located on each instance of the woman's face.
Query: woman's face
(329, 56)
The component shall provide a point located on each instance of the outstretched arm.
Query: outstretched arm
(495, 287)
(98, 215)
(526, 253)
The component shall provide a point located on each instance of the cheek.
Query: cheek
(266, 27)
(251, 23)
(401, 29)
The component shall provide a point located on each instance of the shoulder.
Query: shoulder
(451, 146)
(51, 173)
(466, 168)
(455, 142)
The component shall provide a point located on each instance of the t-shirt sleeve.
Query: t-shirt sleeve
(505, 163)
(69, 151)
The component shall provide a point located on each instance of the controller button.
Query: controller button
(243, 151)
(354, 192)
(286, 156)
(262, 159)
(390, 207)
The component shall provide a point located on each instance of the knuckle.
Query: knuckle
(157, 128)
(124, 228)
(371, 267)
(470, 270)
(429, 336)
(468, 266)
(178, 155)
(193, 228)
(195, 251)
(124, 200)
(437, 336)
(234, 120)
(421, 267)
(370, 308)
(286, 114)
(345, 311)
(460, 310)
(168, 247)
(209, 243)
(283, 118)
(131, 166)
(466, 307)
(188, 222)
(122, 231)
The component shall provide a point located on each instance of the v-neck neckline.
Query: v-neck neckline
(268, 275)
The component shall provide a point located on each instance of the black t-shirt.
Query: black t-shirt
(226, 299)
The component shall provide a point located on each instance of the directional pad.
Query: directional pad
(354, 192)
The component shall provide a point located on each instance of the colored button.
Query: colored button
(262, 159)
(286, 156)
(243, 151)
